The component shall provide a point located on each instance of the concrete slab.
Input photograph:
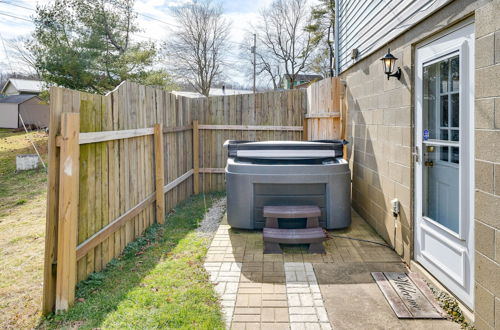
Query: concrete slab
(354, 301)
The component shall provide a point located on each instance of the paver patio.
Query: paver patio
(297, 290)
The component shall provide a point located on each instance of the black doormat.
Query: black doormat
(408, 295)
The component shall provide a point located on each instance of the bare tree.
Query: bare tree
(268, 68)
(282, 32)
(22, 54)
(198, 47)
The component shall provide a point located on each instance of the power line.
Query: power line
(138, 13)
(156, 19)
(16, 17)
(12, 4)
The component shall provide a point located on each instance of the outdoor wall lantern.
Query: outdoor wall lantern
(389, 62)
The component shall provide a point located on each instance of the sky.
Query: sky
(154, 18)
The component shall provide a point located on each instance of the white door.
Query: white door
(444, 122)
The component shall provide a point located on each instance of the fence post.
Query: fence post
(196, 157)
(305, 137)
(159, 170)
(50, 266)
(68, 210)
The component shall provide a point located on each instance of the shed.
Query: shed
(16, 86)
(30, 107)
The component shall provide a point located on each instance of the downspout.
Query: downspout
(336, 38)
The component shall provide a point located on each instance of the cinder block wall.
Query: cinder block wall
(381, 129)
(380, 112)
(487, 167)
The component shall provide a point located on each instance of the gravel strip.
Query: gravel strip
(213, 217)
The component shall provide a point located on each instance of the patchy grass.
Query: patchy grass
(450, 305)
(19, 188)
(22, 229)
(158, 282)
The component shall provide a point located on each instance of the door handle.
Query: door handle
(429, 163)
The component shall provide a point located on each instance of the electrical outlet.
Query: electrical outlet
(395, 207)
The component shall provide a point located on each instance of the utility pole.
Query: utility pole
(254, 51)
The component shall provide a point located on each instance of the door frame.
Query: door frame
(466, 172)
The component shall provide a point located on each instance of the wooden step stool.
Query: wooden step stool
(312, 234)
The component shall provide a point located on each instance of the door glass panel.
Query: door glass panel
(444, 72)
(444, 153)
(454, 155)
(455, 74)
(444, 110)
(455, 113)
(441, 163)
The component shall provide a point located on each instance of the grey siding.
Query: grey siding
(8, 115)
(368, 25)
(35, 113)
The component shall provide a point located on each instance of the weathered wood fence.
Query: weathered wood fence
(259, 117)
(118, 162)
(326, 110)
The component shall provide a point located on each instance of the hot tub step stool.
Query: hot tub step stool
(312, 234)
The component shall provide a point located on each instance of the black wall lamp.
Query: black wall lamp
(389, 62)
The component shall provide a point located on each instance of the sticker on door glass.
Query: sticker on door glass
(426, 134)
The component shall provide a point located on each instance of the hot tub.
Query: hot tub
(287, 173)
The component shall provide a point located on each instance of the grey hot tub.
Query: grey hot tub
(287, 173)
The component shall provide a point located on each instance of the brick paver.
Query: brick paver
(275, 291)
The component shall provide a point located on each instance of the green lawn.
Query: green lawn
(158, 282)
(22, 231)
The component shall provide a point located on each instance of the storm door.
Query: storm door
(444, 160)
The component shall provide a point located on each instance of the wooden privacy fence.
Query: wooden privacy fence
(111, 157)
(119, 161)
(259, 117)
(326, 110)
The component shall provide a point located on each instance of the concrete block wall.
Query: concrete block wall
(380, 128)
(487, 167)
(380, 117)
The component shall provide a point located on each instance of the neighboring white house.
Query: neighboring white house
(16, 86)
(28, 106)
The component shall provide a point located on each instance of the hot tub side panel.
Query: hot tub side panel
(241, 194)
(239, 190)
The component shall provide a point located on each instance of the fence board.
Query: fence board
(68, 212)
(259, 117)
(160, 196)
(50, 255)
(324, 109)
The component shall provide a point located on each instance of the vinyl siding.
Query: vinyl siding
(368, 25)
